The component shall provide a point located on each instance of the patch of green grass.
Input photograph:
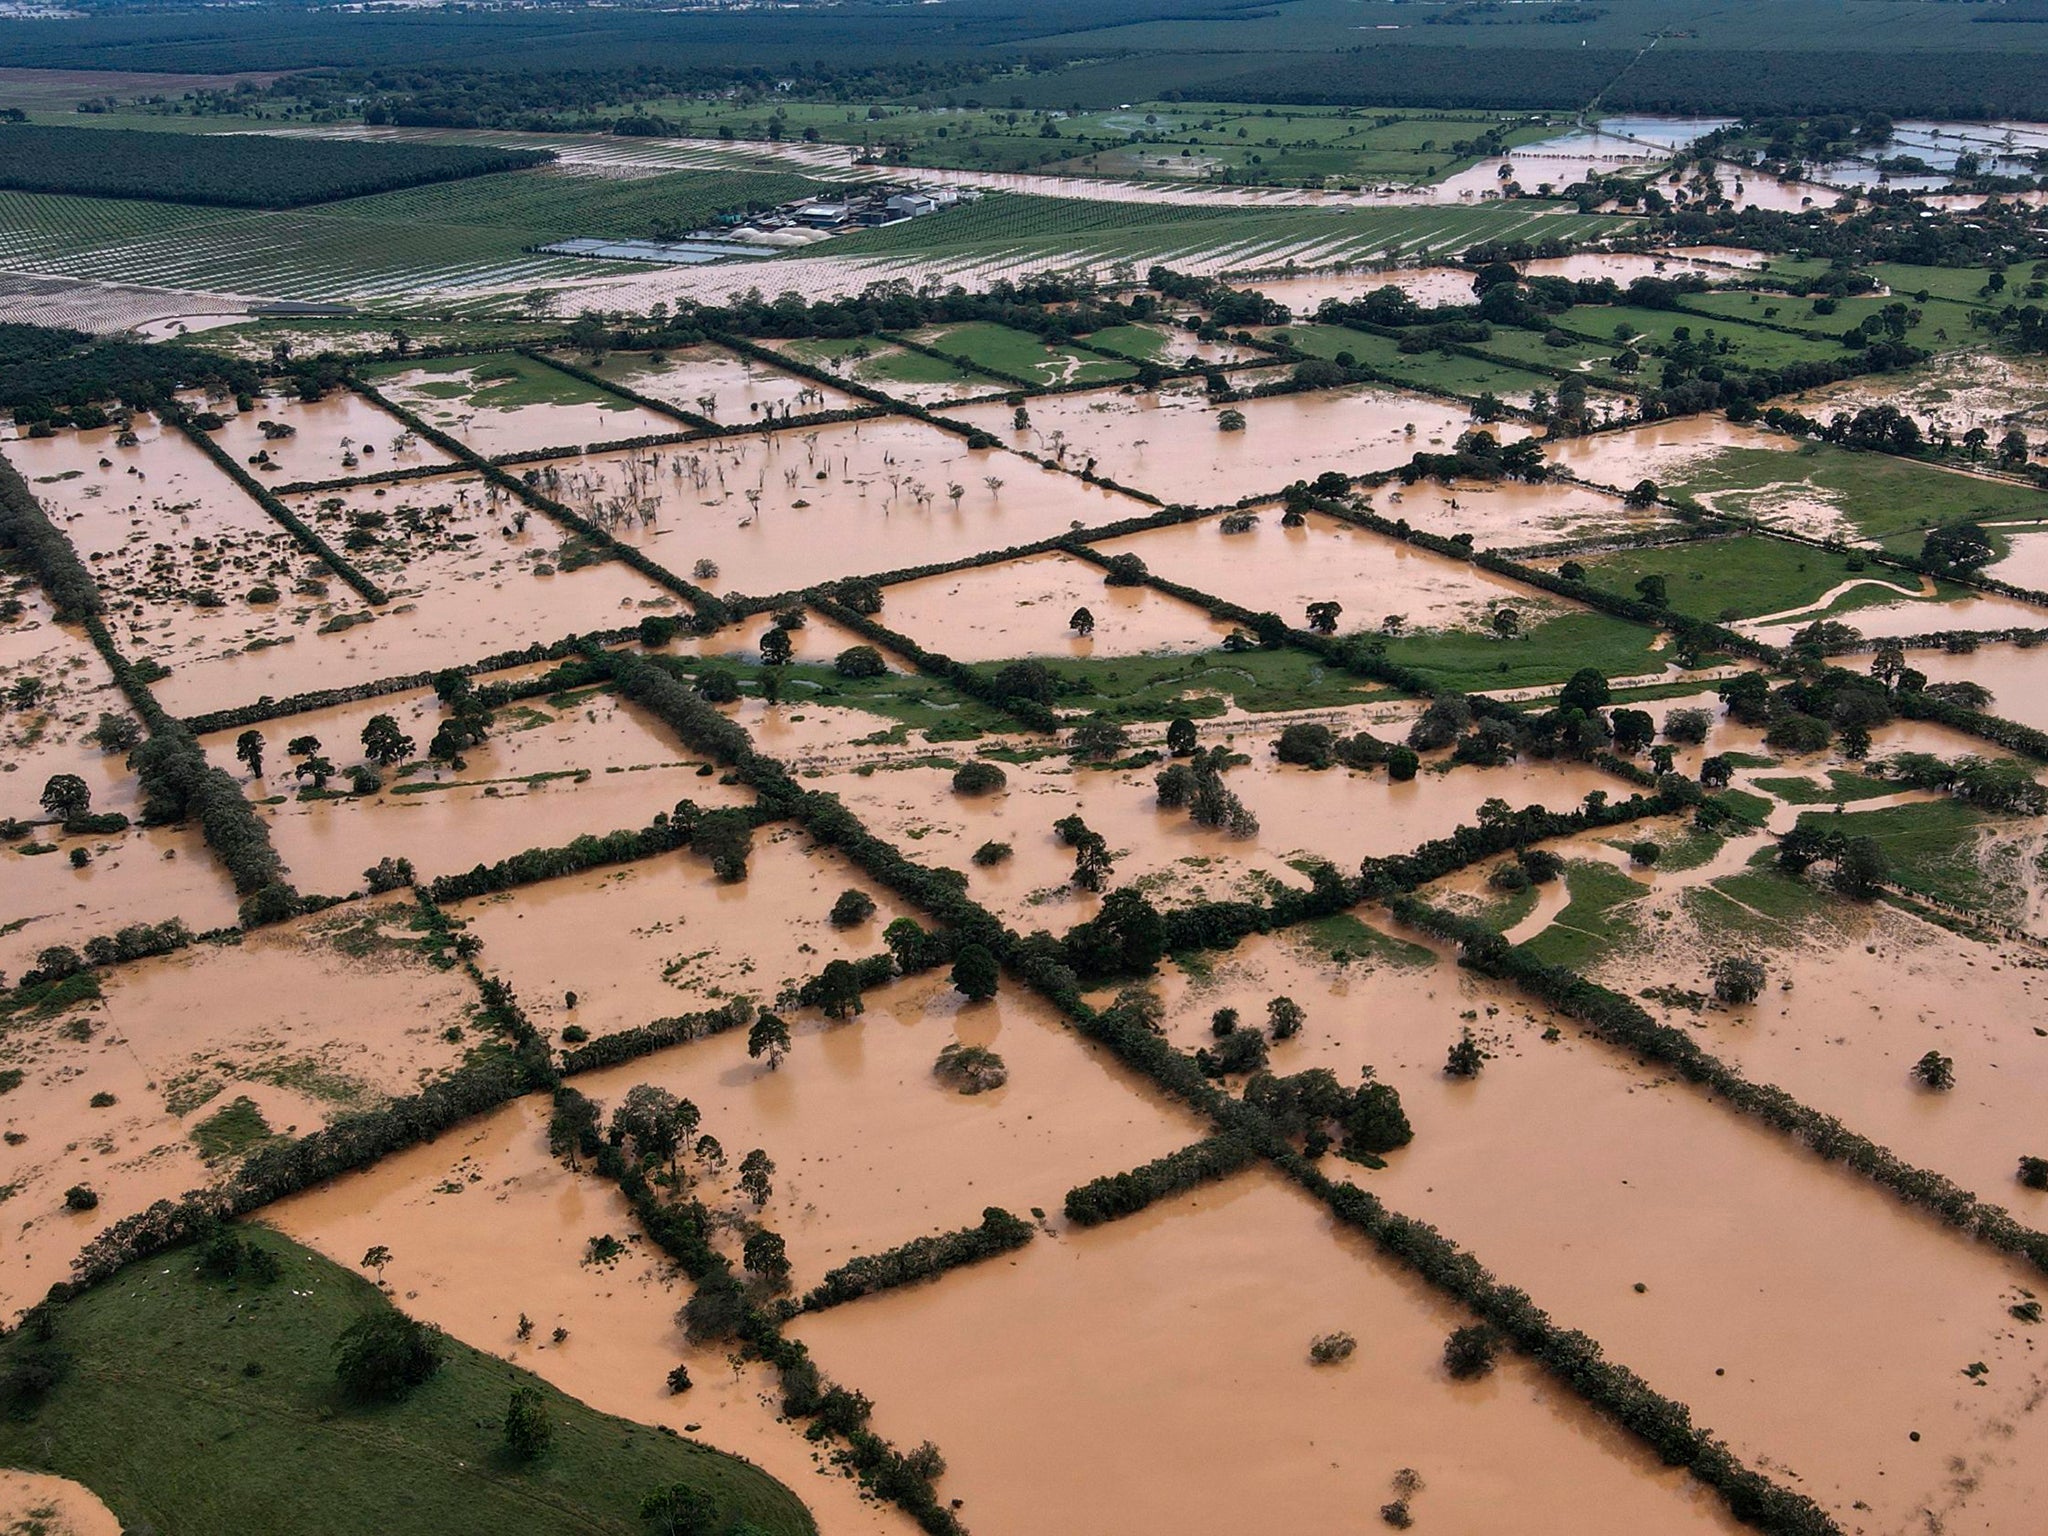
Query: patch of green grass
(1343, 938)
(1141, 343)
(504, 381)
(197, 1405)
(1841, 786)
(1883, 495)
(1021, 355)
(47, 999)
(1934, 846)
(1591, 925)
(235, 1128)
(1751, 808)
(1746, 576)
(1548, 651)
(1451, 371)
(916, 702)
(1151, 687)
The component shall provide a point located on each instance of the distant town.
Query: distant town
(755, 237)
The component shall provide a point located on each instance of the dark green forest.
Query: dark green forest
(229, 170)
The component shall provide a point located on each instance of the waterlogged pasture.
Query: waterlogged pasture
(506, 403)
(1099, 1352)
(709, 381)
(1169, 444)
(327, 1014)
(783, 510)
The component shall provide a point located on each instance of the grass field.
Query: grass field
(1930, 847)
(1546, 653)
(1941, 324)
(1746, 576)
(1881, 494)
(1153, 687)
(1841, 787)
(199, 1405)
(1451, 371)
(1587, 927)
(1022, 355)
(501, 382)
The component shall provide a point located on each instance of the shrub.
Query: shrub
(1688, 725)
(1329, 1348)
(1936, 1071)
(991, 853)
(1738, 979)
(81, 1197)
(679, 1380)
(382, 1357)
(979, 777)
(1465, 1058)
(1644, 853)
(388, 874)
(858, 661)
(852, 909)
(918, 1259)
(528, 1430)
(2034, 1172)
(1311, 746)
(970, 1069)
(1469, 1352)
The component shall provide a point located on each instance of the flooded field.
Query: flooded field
(1025, 608)
(787, 509)
(339, 435)
(1271, 568)
(443, 1210)
(330, 1013)
(1168, 442)
(1506, 514)
(710, 381)
(1609, 1223)
(1661, 451)
(554, 769)
(511, 404)
(1104, 1353)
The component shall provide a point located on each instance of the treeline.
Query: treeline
(51, 377)
(921, 1258)
(1973, 84)
(27, 530)
(1116, 1195)
(232, 170)
(663, 835)
(624, 1045)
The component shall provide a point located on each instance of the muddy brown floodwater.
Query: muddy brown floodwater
(38, 1504)
(1733, 1271)
(1152, 1376)
(442, 394)
(1022, 608)
(1273, 568)
(710, 381)
(1167, 442)
(776, 511)
(304, 1020)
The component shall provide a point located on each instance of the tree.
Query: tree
(1860, 868)
(976, 973)
(1469, 1352)
(1230, 421)
(1936, 1071)
(1465, 1058)
(649, 1117)
(858, 661)
(384, 743)
(376, 1259)
(1322, 617)
(1284, 1017)
(1375, 1123)
(383, 1356)
(1651, 589)
(1587, 690)
(1180, 736)
(1097, 738)
(1633, 729)
(766, 1258)
(1738, 979)
(756, 1172)
(1643, 494)
(776, 648)
(116, 733)
(852, 909)
(528, 1430)
(769, 1037)
(1082, 622)
(1092, 862)
(836, 990)
(716, 685)
(1958, 548)
(680, 1510)
(1506, 623)
(308, 746)
(67, 797)
(979, 776)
